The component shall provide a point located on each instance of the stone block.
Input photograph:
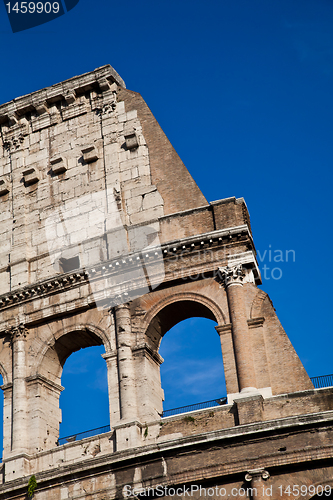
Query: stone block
(151, 200)
(131, 139)
(128, 435)
(134, 204)
(250, 409)
(4, 187)
(104, 85)
(74, 110)
(120, 107)
(142, 190)
(135, 172)
(144, 170)
(132, 115)
(90, 154)
(147, 215)
(58, 164)
(31, 176)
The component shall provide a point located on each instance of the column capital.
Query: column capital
(19, 332)
(122, 305)
(233, 275)
(256, 474)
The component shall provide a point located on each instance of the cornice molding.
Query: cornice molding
(68, 281)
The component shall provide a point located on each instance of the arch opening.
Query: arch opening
(174, 313)
(192, 371)
(70, 367)
(84, 401)
(54, 358)
(73, 342)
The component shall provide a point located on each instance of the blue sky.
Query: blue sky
(243, 90)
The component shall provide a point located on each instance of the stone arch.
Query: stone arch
(63, 343)
(257, 304)
(177, 307)
(46, 380)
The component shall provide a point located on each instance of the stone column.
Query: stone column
(128, 404)
(233, 279)
(111, 360)
(19, 400)
(260, 491)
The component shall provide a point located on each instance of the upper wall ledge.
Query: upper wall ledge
(100, 78)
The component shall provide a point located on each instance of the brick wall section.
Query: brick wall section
(287, 373)
(186, 224)
(230, 212)
(211, 419)
(168, 173)
(248, 410)
(220, 214)
(282, 367)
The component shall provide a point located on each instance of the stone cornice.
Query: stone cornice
(184, 246)
(41, 379)
(255, 322)
(47, 287)
(146, 350)
(223, 329)
(99, 78)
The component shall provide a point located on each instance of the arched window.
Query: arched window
(74, 362)
(84, 401)
(192, 371)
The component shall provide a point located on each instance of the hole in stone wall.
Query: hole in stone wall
(68, 265)
(192, 371)
(84, 402)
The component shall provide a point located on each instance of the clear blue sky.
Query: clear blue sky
(244, 91)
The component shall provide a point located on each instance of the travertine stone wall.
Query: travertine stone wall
(105, 239)
(68, 149)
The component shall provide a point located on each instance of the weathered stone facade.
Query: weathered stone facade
(106, 239)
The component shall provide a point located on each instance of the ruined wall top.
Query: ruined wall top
(99, 78)
(88, 175)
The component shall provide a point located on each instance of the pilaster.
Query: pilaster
(19, 442)
(233, 278)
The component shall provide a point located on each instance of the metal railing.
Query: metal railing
(318, 382)
(197, 406)
(322, 381)
(82, 435)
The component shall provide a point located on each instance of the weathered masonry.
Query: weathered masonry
(106, 239)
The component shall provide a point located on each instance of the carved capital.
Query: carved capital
(256, 474)
(232, 275)
(19, 332)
